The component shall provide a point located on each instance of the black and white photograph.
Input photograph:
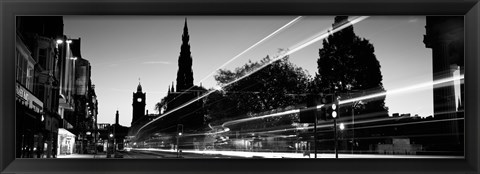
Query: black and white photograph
(298, 87)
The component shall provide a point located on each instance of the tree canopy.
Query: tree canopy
(348, 64)
(278, 85)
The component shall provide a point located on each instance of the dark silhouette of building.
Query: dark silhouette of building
(191, 116)
(185, 73)
(37, 118)
(445, 36)
(138, 104)
(119, 133)
(139, 117)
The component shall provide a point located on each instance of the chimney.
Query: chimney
(116, 118)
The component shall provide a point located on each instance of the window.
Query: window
(29, 81)
(42, 58)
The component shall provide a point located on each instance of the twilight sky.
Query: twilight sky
(122, 49)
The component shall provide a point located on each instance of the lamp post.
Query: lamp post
(108, 144)
(114, 141)
(354, 105)
(341, 126)
(179, 132)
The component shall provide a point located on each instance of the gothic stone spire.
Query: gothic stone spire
(185, 73)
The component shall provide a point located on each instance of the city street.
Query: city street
(158, 153)
(169, 154)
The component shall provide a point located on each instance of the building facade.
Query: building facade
(37, 85)
(55, 99)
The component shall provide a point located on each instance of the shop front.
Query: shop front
(66, 142)
(28, 117)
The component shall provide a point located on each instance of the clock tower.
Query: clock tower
(138, 104)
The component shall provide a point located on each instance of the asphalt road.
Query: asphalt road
(156, 154)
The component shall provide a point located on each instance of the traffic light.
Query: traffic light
(334, 111)
(331, 110)
(334, 108)
(307, 115)
(323, 111)
(180, 129)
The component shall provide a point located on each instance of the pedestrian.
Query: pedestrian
(306, 153)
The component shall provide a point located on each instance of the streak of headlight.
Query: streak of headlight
(265, 116)
(297, 48)
(254, 45)
(364, 127)
(326, 34)
(240, 54)
(403, 90)
(249, 48)
(390, 92)
(290, 51)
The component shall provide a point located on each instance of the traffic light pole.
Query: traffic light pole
(335, 135)
(315, 134)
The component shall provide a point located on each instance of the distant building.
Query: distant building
(138, 104)
(119, 133)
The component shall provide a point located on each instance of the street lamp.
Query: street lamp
(342, 126)
(108, 144)
(180, 132)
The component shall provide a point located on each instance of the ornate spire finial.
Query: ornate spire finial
(139, 87)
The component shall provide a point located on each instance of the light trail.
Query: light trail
(249, 48)
(260, 117)
(301, 46)
(247, 154)
(290, 51)
(329, 125)
(254, 45)
(404, 90)
(343, 102)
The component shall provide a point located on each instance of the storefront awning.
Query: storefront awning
(62, 131)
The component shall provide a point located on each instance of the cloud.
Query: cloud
(112, 65)
(412, 20)
(157, 62)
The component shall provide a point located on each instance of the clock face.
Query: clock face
(139, 99)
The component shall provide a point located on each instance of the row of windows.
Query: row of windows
(24, 71)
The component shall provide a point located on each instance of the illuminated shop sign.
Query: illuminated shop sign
(30, 100)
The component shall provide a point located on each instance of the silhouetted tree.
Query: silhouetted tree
(278, 85)
(219, 107)
(348, 64)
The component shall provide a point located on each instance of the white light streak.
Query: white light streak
(254, 45)
(404, 90)
(290, 51)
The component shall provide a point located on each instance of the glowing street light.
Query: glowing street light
(59, 41)
(342, 126)
(69, 41)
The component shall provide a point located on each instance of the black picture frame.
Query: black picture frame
(10, 8)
